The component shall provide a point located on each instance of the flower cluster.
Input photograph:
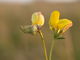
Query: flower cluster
(37, 23)
(58, 25)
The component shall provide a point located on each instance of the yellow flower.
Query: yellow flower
(59, 25)
(64, 24)
(37, 19)
(54, 19)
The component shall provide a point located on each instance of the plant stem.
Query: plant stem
(44, 45)
(51, 50)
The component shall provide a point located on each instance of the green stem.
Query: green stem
(51, 50)
(44, 45)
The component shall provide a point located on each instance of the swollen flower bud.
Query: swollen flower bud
(37, 19)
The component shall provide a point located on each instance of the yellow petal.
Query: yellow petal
(54, 19)
(37, 19)
(64, 24)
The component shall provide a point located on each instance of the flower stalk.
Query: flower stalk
(43, 44)
(51, 50)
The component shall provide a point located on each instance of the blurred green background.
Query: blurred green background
(15, 45)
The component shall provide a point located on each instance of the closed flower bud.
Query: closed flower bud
(37, 19)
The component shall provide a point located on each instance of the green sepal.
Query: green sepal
(29, 29)
(58, 36)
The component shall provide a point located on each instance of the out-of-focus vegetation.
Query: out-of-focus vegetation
(15, 45)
